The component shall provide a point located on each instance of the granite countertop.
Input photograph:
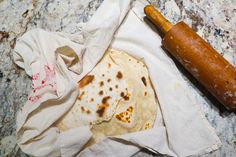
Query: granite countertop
(215, 21)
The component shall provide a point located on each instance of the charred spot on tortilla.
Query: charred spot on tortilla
(100, 92)
(101, 83)
(129, 59)
(88, 111)
(119, 75)
(118, 117)
(110, 89)
(145, 93)
(109, 80)
(124, 96)
(86, 80)
(116, 86)
(81, 95)
(103, 75)
(125, 116)
(130, 109)
(147, 126)
(144, 81)
(109, 65)
(105, 99)
(82, 108)
(101, 111)
(91, 99)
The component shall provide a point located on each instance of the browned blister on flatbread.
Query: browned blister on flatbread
(86, 80)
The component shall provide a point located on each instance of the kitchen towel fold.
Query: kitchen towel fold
(117, 24)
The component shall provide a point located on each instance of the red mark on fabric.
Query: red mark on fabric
(33, 99)
(49, 80)
(35, 76)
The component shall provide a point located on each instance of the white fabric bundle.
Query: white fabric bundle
(117, 24)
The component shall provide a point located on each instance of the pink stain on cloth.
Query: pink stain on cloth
(48, 81)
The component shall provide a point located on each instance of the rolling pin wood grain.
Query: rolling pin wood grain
(216, 74)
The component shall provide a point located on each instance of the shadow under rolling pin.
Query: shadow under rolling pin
(216, 74)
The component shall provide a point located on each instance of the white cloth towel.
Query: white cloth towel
(117, 24)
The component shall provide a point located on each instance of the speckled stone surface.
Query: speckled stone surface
(215, 21)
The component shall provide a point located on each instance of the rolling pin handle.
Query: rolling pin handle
(159, 20)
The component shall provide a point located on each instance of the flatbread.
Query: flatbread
(116, 97)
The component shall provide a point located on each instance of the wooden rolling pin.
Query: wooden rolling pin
(216, 74)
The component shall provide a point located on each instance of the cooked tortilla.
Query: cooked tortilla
(116, 97)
